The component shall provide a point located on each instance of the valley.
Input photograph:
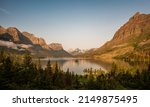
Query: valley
(28, 62)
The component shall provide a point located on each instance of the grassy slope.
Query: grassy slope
(137, 46)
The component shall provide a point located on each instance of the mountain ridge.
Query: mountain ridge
(37, 45)
(131, 38)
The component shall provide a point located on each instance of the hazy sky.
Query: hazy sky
(74, 23)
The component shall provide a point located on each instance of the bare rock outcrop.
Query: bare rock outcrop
(35, 40)
(55, 46)
(138, 25)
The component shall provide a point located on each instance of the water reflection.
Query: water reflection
(75, 65)
(78, 65)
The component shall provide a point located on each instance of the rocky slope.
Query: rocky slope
(132, 38)
(36, 41)
(137, 25)
(55, 46)
(12, 38)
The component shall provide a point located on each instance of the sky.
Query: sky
(80, 24)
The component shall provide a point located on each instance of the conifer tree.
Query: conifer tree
(49, 68)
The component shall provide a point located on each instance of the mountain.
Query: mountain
(56, 46)
(35, 40)
(131, 40)
(77, 51)
(12, 38)
(74, 52)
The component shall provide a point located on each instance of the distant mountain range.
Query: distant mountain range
(12, 39)
(131, 40)
(77, 51)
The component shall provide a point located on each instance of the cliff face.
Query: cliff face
(137, 25)
(35, 40)
(14, 35)
(10, 34)
(132, 37)
(30, 42)
(55, 46)
(2, 30)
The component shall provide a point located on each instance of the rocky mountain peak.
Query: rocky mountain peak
(34, 39)
(136, 25)
(56, 46)
(12, 38)
(27, 33)
(15, 33)
(13, 30)
(2, 30)
(137, 14)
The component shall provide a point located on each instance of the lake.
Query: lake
(76, 65)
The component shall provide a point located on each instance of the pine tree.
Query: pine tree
(56, 67)
(49, 68)
(39, 64)
(2, 56)
(68, 79)
(7, 73)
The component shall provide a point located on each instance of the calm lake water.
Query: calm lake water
(78, 65)
(75, 65)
